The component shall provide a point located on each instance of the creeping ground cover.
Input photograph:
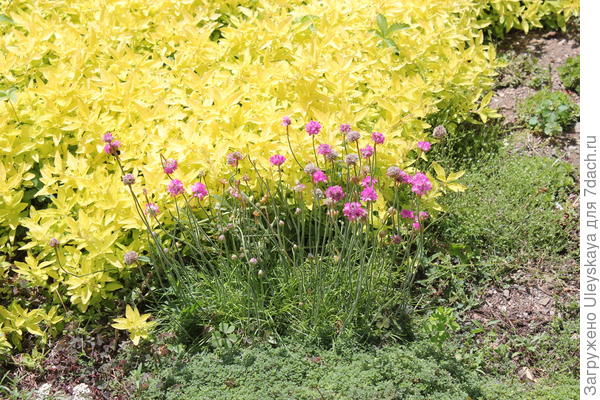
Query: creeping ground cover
(184, 176)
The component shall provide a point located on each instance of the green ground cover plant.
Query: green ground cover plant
(569, 73)
(522, 70)
(513, 208)
(548, 112)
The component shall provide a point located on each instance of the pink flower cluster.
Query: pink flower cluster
(423, 215)
(170, 166)
(234, 158)
(335, 193)
(367, 151)
(313, 128)
(199, 190)
(354, 211)
(425, 146)
(277, 160)
(319, 176)
(112, 146)
(378, 137)
(419, 182)
(175, 187)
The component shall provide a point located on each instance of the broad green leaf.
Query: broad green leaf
(382, 23)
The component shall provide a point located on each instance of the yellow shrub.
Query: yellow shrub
(150, 72)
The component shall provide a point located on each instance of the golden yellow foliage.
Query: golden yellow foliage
(195, 80)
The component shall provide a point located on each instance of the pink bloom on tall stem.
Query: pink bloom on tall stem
(286, 121)
(352, 136)
(234, 158)
(128, 179)
(345, 128)
(335, 193)
(324, 149)
(351, 159)
(378, 137)
(368, 181)
(299, 187)
(108, 137)
(277, 160)
(319, 176)
(152, 209)
(369, 194)
(354, 211)
(425, 146)
(367, 151)
(199, 190)
(313, 128)
(112, 148)
(170, 166)
(311, 168)
(416, 225)
(407, 214)
(423, 215)
(175, 187)
(420, 184)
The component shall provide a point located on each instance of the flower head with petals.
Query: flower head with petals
(313, 128)
(277, 160)
(175, 187)
(354, 211)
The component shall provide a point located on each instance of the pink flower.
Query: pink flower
(313, 128)
(170, 166)
(425, 146)
(407, 214)
(335, 193)
(286, 121)
(199, 190)
(152, 209)
(367, 151)
(420, 183)
(319, 176)
(175, 187)
(299, 188)
(108, 137)
(324, 149)
(352, 136)
(311, 168)
(368, 181)
(368, 194)
(396, 239)
(345, 128)
(354, 211)
(112, 148)
(233, 192)
(416, 225)
(351, 159)
(378, 137)
(128, 179)
(277, 160)
(393, 172)
(423, 215)
(234, 158)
